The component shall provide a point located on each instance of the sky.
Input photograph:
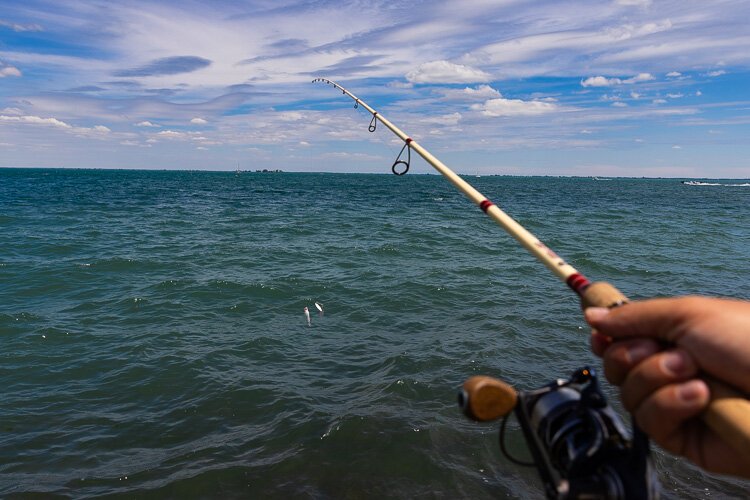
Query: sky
(633, 88)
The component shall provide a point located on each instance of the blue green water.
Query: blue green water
(153, 342)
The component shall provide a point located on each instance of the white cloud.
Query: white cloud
(171, 134)
(635, 3)
(482, 92)
(698, 93)
(446, 72)
(640, 77)
(716, 73)
(675, 96)
(450, 119)
(619, 104)
(96, 131)
(635, 95)
(290, 116)
(674, 74)
(9, 71)
(659, 101)
(146, 124)
(600, 81)
(514, 107)
(198, 121)
(400, 85)
(36, 120)
(676, 147)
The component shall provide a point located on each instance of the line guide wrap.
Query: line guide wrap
(728, 413)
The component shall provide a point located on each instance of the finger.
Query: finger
(599, 343)
(655, 372)
(665, 412)
(660, 318)
(624, 355)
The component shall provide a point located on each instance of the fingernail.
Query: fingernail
(691, 391)
(595, 313)
(638, 354)
(674, 362)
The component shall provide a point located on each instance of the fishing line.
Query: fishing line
(728, 413)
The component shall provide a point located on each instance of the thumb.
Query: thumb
(661, 319)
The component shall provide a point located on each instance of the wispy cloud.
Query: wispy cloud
(20, 27)
(167, 66)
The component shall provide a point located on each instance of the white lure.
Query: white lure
(307, 316)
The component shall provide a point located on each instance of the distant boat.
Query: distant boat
(699, 183)
(238, 171)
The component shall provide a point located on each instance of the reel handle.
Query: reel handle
(486, 398)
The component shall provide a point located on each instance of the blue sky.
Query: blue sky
(609, 88)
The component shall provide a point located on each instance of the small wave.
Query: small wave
(701, 183)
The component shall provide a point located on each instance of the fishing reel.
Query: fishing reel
(578, 444)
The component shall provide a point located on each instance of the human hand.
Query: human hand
(656, 349)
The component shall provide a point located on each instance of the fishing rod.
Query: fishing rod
(592, 294)
(728, 413)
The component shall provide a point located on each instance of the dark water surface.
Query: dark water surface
(153, 342)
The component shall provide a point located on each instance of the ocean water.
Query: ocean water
(153, 342)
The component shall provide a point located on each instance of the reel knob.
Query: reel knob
(485, 398)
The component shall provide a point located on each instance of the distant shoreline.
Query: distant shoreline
(295, 172)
